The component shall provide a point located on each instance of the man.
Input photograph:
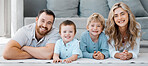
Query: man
(36, 40)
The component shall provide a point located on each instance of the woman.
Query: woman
(123, 32)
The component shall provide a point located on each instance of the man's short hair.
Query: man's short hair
(48, 12)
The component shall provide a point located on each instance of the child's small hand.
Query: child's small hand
(101, 56)
(68, 60)
(57, 60)
(98, 55)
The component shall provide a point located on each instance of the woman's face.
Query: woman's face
(121, 17)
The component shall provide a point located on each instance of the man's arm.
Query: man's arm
(40, 52)
(13, 51)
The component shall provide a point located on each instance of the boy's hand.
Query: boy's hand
(57, 60)
(101, 56)
(98, 55)
(68, 60)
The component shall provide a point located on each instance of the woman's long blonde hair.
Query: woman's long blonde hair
(112, 30)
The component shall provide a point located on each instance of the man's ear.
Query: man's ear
(36, 19)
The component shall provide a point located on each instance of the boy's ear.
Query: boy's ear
(87, 27)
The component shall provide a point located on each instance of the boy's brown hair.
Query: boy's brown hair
(67, 22)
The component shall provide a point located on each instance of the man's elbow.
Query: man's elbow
(50, 55)
(7, 56)
(47, 56)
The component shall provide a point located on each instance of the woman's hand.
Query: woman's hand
(125, 55)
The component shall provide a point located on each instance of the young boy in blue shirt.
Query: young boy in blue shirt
(67, 48)
(93, 42)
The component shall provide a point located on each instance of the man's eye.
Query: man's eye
(115, 16)
(122, 13)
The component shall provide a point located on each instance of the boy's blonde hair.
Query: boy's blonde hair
(67, 22)
(96, 17)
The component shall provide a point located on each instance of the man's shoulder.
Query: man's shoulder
(27, 30)
(53, 31)
(29, 27)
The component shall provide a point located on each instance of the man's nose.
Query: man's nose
(44, 24)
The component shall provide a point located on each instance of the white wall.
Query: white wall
(16, 15)
(5, 18)
(2, 18)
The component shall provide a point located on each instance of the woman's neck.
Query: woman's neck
(123, 30)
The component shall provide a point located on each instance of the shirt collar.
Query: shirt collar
(67, 44)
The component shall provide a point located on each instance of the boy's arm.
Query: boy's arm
(70, 59)
(83, 46)
(104, 46)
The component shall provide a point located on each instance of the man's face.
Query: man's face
(44, 23)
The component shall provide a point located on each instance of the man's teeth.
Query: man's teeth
(43, 28)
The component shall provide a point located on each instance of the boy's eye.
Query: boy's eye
(98, 26)
(49, 22)
(64, 31)
(70, 31)
(92, 25)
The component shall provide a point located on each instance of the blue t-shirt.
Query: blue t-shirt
(67, 50)
(88, 47)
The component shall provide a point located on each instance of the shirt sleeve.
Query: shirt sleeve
(135, 50)
(112, 49)
(83, 46)
(104, 46)
(57, 47)
(20, 36)
(76, 49)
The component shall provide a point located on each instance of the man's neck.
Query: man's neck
(38, 36)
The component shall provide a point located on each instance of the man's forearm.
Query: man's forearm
(39, 52)
(15, 53)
